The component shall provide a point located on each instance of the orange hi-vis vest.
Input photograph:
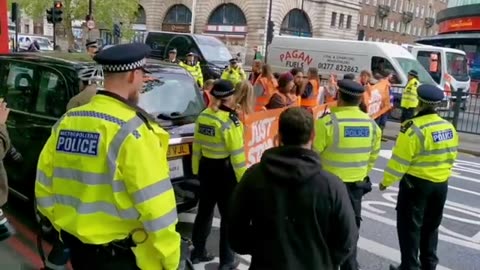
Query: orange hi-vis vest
(269, 88)
(312, 100)
(207, 97)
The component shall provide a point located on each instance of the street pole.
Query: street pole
(90, 17)
(192, 23)
(299, 30)
(269, 19)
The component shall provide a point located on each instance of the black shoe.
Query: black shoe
(230, 266)
(394, 267)
(6, 230)
(197, 258)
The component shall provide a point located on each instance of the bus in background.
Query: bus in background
(4, 37)
(448, 67)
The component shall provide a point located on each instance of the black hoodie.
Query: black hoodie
(290, 214)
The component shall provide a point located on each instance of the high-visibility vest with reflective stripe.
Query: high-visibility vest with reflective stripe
(312, 100)
(234, 75)
(218, 136)
(269, 87)
(348, 142)
(409, 95)
(103, 164)
(426, 148)
(195, 71)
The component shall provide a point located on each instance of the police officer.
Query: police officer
(348, 142)
(409, 96)
(234, 73)
(102, 177)
(172, 56)
(219, 160)
(92, 48)
(422, 160)
(193, 67)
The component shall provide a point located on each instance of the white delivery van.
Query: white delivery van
(447, 67)
(340, 57)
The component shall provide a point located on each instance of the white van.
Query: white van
(447, 67)
(340, 57)
(25, 40)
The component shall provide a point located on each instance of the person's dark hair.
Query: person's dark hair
(349, 100)
(276, 75)
(294, 71)
(295, 126)
(349, 76)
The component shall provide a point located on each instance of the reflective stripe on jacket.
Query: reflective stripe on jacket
(104, 164)
(219, 135)
(234, 75)
(409, 95)
(426, 148)
(195, 71)
(312, 100)
(348, 142)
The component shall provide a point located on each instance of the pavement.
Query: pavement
(458, 248)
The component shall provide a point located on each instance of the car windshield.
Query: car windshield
(457, 66)
(43, 42)
(213, 49)
(171, 95)
(408, 64)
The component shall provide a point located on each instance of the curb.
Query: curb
(460, 149)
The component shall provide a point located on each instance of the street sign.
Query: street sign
(90, 24)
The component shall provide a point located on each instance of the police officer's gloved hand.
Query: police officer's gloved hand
(15, 155)
(367, 185)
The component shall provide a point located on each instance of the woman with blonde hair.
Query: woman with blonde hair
(245, 98)
(265, 86)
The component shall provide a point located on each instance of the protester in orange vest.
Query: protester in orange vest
(256, 71)
(245, 99)
(264, 88)
(207, 86)
(331, 90)
(300, 84)
(310, 95)
(280, 99)
(382, 120)
(366, 81)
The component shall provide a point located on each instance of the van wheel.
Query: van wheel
(42, 223)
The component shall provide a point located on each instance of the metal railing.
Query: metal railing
(463, 111)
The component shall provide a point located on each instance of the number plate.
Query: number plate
(176, 168)
(178, 150)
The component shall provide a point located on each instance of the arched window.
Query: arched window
(178, 14)
(141, 16)
(296, 23)
(227, 14)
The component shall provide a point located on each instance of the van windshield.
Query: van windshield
(457, 66)
(213, 49)
(408, 64)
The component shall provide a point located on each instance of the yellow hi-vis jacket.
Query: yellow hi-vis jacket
(234, 75)
(426, 148)
(348, 142)
(409, 95)
(195, 71)
(103, 173)
(219, 134)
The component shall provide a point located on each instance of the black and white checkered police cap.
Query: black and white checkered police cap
(123, 57)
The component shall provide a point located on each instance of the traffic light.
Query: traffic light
(14, 12)
(50, 15)
(57, 12)
(117, 31)
(270, 31)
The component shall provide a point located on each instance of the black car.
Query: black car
(37, 88)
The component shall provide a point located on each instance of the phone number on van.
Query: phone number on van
(343, 68)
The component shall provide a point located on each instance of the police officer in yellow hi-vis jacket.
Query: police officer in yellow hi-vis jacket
(234, 73)
(409, 100)
(103, 179)
(192, 65)
(219, 160)
(422, 159)
(348, 142)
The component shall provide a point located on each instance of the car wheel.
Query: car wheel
(45, 226)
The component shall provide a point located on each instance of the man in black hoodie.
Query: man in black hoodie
(286, 211)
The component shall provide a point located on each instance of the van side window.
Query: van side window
(183, 45)
(20, 86)
(51, 98)
(424, 58)
(158, 42)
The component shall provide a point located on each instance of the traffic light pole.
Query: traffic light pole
(269, 19)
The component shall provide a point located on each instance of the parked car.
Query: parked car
(38, 87)
(213, 54)
(25, 41)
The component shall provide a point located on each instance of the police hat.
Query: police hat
(413, 73)
(123, 57)
(222, 89)
(430, 94)
(91, 44)
(173, 51)
(191, 54)
(233, 61)
(350, 87)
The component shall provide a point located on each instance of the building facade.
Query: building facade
(242, 24)
(398, 21)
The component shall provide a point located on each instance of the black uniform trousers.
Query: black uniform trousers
(113, 256)
(217, 182)
(419, 214)
(356, 191)
(407, 114)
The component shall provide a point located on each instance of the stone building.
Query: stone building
(398, 21)
(242, 24)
